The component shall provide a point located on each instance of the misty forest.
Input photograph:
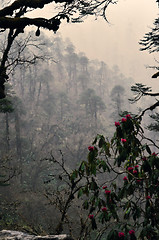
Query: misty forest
(79, 140)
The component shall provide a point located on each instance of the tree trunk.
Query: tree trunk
(18, 142)
(7, 133)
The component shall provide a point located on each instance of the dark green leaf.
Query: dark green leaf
(101, 142)
(93, 185)
(113, 235)
(127, 213)
(94, 225)
(146, 167)
(80, 192)
(93, 169)
(86, 205)
(74, 175)
(148, 149)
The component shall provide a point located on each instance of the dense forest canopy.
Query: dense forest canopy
(54, 105)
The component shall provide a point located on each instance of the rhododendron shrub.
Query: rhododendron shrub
(122, 193)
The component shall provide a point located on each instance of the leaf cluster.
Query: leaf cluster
(129, 204)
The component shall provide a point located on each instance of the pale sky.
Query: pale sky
(116, 43)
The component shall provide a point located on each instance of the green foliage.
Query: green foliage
(92, 102)
(139, 91)
(128, 199)
(150, 40)
(6, 105)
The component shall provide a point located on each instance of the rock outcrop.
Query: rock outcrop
(16, 235)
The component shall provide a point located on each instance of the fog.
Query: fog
(67, 113)
(115, 42)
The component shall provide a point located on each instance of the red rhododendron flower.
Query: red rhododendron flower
(138, 180)
(130, 169)
(123, 119)
(121, 234)
(117, 124)
(125, 178)
(123, 140)
(107, 192)
(134, 172)
(104, 187)
(154, 154)
(90, 148)
(104, 209)
(136, 166)
(131, 232)
(148, 197)
(91, 216)
(128, 116)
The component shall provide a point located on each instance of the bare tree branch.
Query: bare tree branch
(152, 107)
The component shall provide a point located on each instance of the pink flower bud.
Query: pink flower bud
(138, 180)
(90, 148)
(91, 216)
(123, 140)
(128, 116)
(107, 192)
(104, 209)
(136, 166)
(154, 154)
(125, 178)
(123, 119)
(131, 232)
(117, 124)
(130, 169)
(121, 234)
(104, 187)
(148, 197)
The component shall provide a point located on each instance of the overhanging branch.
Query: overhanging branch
(21, 23)
(23, 3)
(152, 107)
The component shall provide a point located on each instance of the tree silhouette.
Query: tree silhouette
(117, 94)
(92, 102)
(150, 42)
